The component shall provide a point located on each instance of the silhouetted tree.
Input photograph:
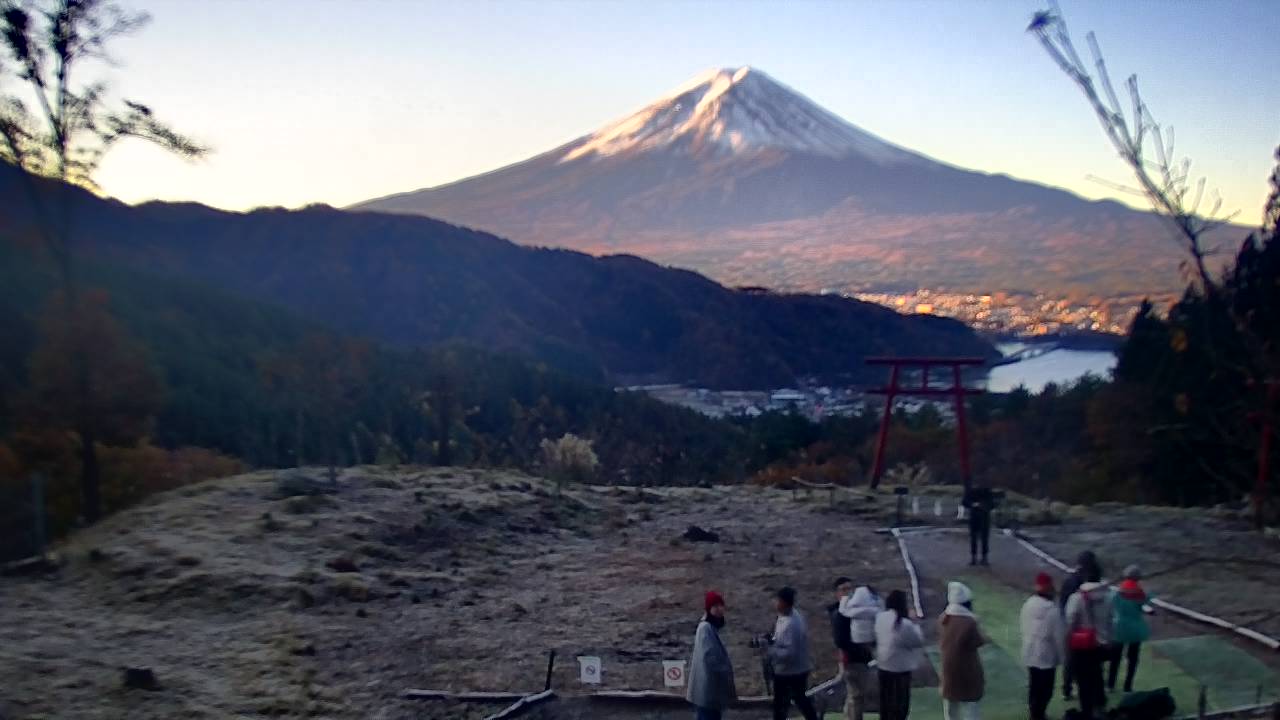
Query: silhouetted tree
(1165, 179)
(113, 404)
(65, 137)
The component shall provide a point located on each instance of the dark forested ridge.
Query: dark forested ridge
(239, 376)
(413, 282)
(256, 385)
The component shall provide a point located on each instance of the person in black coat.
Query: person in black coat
(1087, 566)
(979, 502)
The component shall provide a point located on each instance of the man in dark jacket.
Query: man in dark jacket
(840, 635)
(978, 502)
(1086, 566)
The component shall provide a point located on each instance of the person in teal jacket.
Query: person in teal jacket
(1130, 628)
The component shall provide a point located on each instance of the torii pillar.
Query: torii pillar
(956, 390)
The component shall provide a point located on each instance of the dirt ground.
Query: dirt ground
(272, 594)
(275, 594)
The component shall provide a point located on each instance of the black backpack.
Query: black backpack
(1148, 705)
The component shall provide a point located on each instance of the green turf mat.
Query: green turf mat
(1006, 685)
(1231, 675)
(1181, 664)
(999, 608)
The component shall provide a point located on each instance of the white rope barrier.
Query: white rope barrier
(1254, 635)
(521, 704)
(911, 571)
(463, 696)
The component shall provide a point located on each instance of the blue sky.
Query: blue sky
(325, 101)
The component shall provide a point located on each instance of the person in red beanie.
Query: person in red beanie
(1043, 645)
(710, 680)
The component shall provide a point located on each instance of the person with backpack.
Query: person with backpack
(1131, 629)
(1089, 625)
(899, 651)
(859, 610)
(710, 684)
(1043, 645)
(1086, 565)
(959, 638)
(789, 651)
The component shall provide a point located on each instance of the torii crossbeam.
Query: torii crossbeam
(957, 390)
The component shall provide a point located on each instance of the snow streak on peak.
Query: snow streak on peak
(736, 111)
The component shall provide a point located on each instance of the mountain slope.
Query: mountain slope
(220, 357)
(413, 281)
(740, 177)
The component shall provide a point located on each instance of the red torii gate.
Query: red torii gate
(957, 391)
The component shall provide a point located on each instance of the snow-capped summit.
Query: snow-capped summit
(741, 177)
(736, 111)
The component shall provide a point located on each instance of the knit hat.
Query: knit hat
(1044, 582)
(958, 593)
(713, 599)
(1133, 572)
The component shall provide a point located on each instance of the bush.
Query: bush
(569, 459)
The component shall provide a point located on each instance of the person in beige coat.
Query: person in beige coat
(959, 637)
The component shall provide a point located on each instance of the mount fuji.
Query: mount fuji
(746, 180)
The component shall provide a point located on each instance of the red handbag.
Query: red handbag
(1083, 639)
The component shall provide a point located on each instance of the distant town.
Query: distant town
(812, 401)
(1019, 315)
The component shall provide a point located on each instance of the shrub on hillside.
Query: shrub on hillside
(569, 459)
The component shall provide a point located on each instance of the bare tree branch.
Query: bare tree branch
(1164, 181)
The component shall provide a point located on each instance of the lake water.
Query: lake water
(1055, 366)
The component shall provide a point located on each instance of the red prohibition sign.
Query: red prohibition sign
(674, 673)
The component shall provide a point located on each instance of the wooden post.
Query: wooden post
(551, 666)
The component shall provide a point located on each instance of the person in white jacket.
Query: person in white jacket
(899, 651)
(860, 607)
(1043, 645)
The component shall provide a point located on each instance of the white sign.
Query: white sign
(589, 669)
(960, 512)
(937, 508)
(915, 506)
(673, 673)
